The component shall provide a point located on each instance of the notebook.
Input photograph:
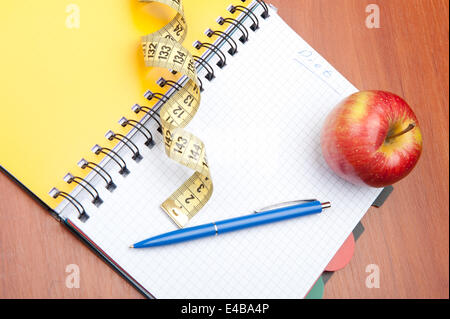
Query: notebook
(260, 119)
(84, 72)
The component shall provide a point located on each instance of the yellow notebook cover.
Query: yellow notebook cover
(70, 71)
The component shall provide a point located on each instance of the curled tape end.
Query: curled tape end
(175, 212)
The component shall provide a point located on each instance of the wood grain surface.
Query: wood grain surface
(408, 238)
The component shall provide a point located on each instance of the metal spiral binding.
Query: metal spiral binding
(162, 82)
(210, 75)
(153, 113)
(226, 37)
(115, 157)
(201, 85)
(96, 200)
(140, 128)
(82, 215)
(265, 14)
(149, 95)
(236, 23)
(223, 59)
(100, 171)
(110, 135)
(150, 112)
(249, 13)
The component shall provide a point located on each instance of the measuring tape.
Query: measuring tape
(163, 49)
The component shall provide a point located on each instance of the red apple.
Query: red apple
(372, 138)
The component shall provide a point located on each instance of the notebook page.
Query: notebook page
(260, 119)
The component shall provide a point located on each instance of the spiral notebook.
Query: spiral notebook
(260, 118)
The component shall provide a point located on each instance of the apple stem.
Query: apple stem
(406, 130)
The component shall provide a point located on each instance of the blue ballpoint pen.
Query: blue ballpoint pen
(263, 216)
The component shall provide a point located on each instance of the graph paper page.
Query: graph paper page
(260, 119)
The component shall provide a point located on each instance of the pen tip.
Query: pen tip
(326, 205)
(132, 246)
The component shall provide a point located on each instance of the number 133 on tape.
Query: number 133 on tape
(163, 49)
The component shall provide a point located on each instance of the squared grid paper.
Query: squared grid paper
(260, 119)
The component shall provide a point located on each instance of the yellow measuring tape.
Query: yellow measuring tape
(163, 49)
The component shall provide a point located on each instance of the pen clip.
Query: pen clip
(283, 205)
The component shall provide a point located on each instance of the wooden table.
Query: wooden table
(408, 238)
